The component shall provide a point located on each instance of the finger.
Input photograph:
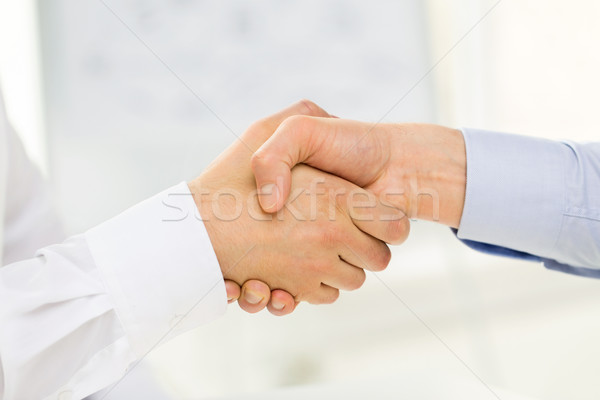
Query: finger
(365, 253)
(359, 248)
(263, 129)
(375, 216)
(282, 303)
(324, 295)
(350, 149)
(345, 276)
(266, 128)
(302, 107)
(233, 291)
(254, 297)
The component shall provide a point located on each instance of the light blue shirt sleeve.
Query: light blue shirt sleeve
(533, 198)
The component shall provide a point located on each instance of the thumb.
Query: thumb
(272, 163)
(349, 149)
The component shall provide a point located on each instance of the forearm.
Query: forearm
(529, 195)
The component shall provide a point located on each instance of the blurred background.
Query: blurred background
(108, 97)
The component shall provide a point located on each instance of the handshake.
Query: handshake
(304, 202)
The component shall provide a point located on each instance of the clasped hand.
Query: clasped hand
(320, 240)
(378, 176)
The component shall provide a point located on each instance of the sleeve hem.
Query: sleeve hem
(515, 191)
(159, 267)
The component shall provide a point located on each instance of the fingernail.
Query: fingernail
(269, 195)
(277, 305)
(230, 299)
(252, 297)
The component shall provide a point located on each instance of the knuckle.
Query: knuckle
(257, 160)
(398, 230)
(262, 158)
(331, 296)
(381, 257)
(296, 123)
(309, 107)
(358, 281)
(259, 125)
(385, 256)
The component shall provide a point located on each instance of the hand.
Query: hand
(311, 259)
(255, 295)
(419, 169)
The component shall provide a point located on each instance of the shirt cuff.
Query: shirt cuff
(515, 194)
(158, 265)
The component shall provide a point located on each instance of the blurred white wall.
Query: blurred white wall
(109, 97)
(121, 126)
(529, 67)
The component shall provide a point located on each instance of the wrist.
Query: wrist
(203, 205)
(435, 157)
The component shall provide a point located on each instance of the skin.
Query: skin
(309, 259)
(418, 168)
(255, 295)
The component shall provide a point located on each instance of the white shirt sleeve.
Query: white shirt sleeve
(78, 314)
